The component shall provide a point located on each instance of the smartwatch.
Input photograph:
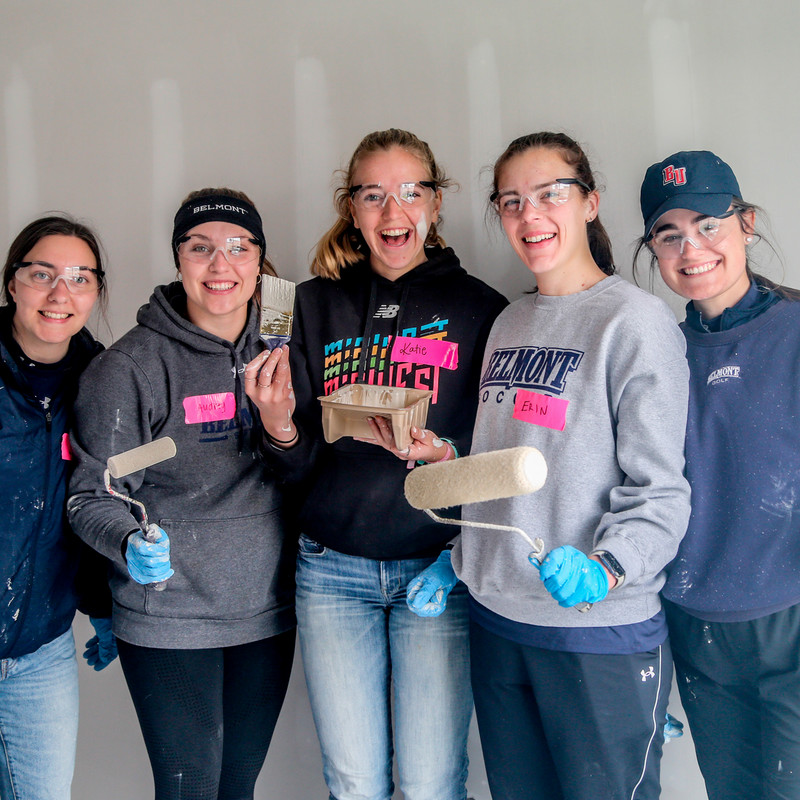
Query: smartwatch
(612, 565)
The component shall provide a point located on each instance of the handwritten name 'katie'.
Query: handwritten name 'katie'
(433, 352)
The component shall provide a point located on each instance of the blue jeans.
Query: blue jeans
(39, 722)
(358, 637)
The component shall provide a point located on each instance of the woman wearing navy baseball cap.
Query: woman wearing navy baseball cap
(733, 591)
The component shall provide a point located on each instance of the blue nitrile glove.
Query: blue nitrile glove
(148, 561)
(673, 728)
(427, 593)
(572, 577)
(101, 649)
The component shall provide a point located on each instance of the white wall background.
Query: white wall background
(114, 110)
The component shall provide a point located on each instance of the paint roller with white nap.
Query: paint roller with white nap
(134, 460)
(476, 479)
(147, 455)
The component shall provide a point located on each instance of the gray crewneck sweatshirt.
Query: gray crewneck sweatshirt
(612, 360)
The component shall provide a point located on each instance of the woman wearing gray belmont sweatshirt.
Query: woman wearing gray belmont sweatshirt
(204, 615)
(590, 370)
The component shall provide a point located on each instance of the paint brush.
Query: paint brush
(277, 307)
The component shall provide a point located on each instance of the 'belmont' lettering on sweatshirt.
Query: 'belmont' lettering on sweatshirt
(534, 368)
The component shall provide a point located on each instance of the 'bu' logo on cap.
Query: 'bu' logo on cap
(672, 175)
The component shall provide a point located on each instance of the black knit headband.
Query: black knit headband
(217, 208)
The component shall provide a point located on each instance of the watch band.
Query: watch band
(612, 565)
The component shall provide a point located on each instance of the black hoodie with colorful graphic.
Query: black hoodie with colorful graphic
(353, 496)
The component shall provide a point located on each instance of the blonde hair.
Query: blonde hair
(343, 244)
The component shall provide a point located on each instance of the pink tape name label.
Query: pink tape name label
(541, 409)
(66, 449)
(209, 407)
(425, 351)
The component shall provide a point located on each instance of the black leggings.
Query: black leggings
(207, 716)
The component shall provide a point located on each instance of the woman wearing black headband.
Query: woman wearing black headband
(203, 603)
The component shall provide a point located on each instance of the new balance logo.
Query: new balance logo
(386, 312)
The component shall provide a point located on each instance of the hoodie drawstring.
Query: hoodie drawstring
(366, 336)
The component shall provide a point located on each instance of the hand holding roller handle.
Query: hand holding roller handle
(572, 578)
(148, 556)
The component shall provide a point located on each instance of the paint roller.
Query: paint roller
(134, 460)
(476, 479)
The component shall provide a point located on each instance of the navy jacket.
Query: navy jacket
(39, 555)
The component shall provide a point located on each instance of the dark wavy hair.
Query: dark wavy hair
(54, 225)
(574, 156)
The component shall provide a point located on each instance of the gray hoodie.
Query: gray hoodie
(615, 356)
(216, 500)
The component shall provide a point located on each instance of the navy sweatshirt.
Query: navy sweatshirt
(740, 558)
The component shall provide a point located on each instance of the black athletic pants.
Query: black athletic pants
(207, 716)
(569, 726)
(740, 688)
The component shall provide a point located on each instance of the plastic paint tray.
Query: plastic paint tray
(345, 411)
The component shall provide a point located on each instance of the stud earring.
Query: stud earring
(748, 239)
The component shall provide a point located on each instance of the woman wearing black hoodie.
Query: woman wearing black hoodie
(390, 305)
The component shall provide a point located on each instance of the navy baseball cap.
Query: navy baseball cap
(693, 179)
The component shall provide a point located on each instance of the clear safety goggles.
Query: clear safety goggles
(372, 196)
(511, 204)
(236, 250)
(669, 243)
(43, 276)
